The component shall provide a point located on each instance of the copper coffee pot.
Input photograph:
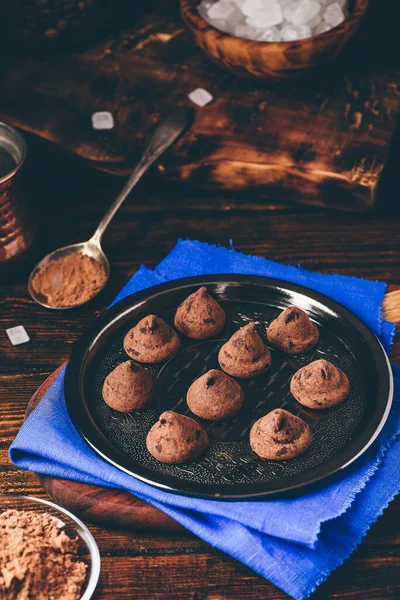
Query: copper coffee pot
(16, 227)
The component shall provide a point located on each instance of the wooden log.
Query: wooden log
(322, 141)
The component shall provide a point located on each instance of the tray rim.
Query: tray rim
(135, 300)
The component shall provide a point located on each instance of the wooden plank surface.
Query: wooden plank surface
(321, 141)
(68, 201)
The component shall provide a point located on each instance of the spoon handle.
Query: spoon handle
(164, 135)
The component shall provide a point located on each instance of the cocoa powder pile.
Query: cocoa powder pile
(38, 560)
(69, 281)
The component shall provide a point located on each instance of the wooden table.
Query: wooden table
(68, 200)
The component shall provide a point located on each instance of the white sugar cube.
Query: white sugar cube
(304, 31)
(234, 19)
(302, 11)
(231, 25)
(290, 33)
(203, 9)
(17, 335)
(220, 10)
(239, 3)
(334, 15)
(266, 17)
(201, 97)
(206, 4)
(272, 34)
(342, 3)
(322, 27)
(220, 24)
(252, 6)
(244, 31)
(315, 21)
(102, 120)
(287, 8)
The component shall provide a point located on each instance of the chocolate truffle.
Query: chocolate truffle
(293, 332)
(215, 396)
(320, 385)
(245, 354)
(128, 387)
(280, 435)
(151, 341)
(176, 439)
(200, 316)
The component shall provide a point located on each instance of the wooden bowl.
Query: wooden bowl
(271, 60)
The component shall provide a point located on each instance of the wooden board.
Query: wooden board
(151, 565)
(116, 508)
(322, 141)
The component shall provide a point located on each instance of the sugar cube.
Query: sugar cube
(102, 120)
(334, 15)
(201, 97)
(274, 20)
(17, 335)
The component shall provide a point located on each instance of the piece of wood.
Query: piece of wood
(322, 141)
(116, 508)
(272, 61)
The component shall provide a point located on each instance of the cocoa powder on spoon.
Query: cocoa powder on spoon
(69, 281)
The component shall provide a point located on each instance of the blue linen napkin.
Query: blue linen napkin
(296, 542)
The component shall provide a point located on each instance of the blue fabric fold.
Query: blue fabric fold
(296, 542)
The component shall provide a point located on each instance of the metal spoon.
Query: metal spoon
(165, 134)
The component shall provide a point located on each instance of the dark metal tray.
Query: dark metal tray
(230, 469)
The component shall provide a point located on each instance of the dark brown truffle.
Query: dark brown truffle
(280, 435)
(293, 332)
(151, 341)
(128, 387)
(215, 396)
(176, 439)
(320, 385)
(245, 354)
(200, 316)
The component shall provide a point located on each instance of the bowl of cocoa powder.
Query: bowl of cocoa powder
(46, 553)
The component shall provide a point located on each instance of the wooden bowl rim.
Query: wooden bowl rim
(203, 26)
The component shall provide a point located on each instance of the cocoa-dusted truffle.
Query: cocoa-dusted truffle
(151, 341)
(293, 332)
(200, 316)
(215, 396)
(320, 385)
(280, 435)
(176, 439)
(128, 387)
(245, 354)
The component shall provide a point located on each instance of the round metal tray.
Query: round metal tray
(230, 469)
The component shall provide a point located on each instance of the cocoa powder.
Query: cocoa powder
(38, 559)
(69, 281)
